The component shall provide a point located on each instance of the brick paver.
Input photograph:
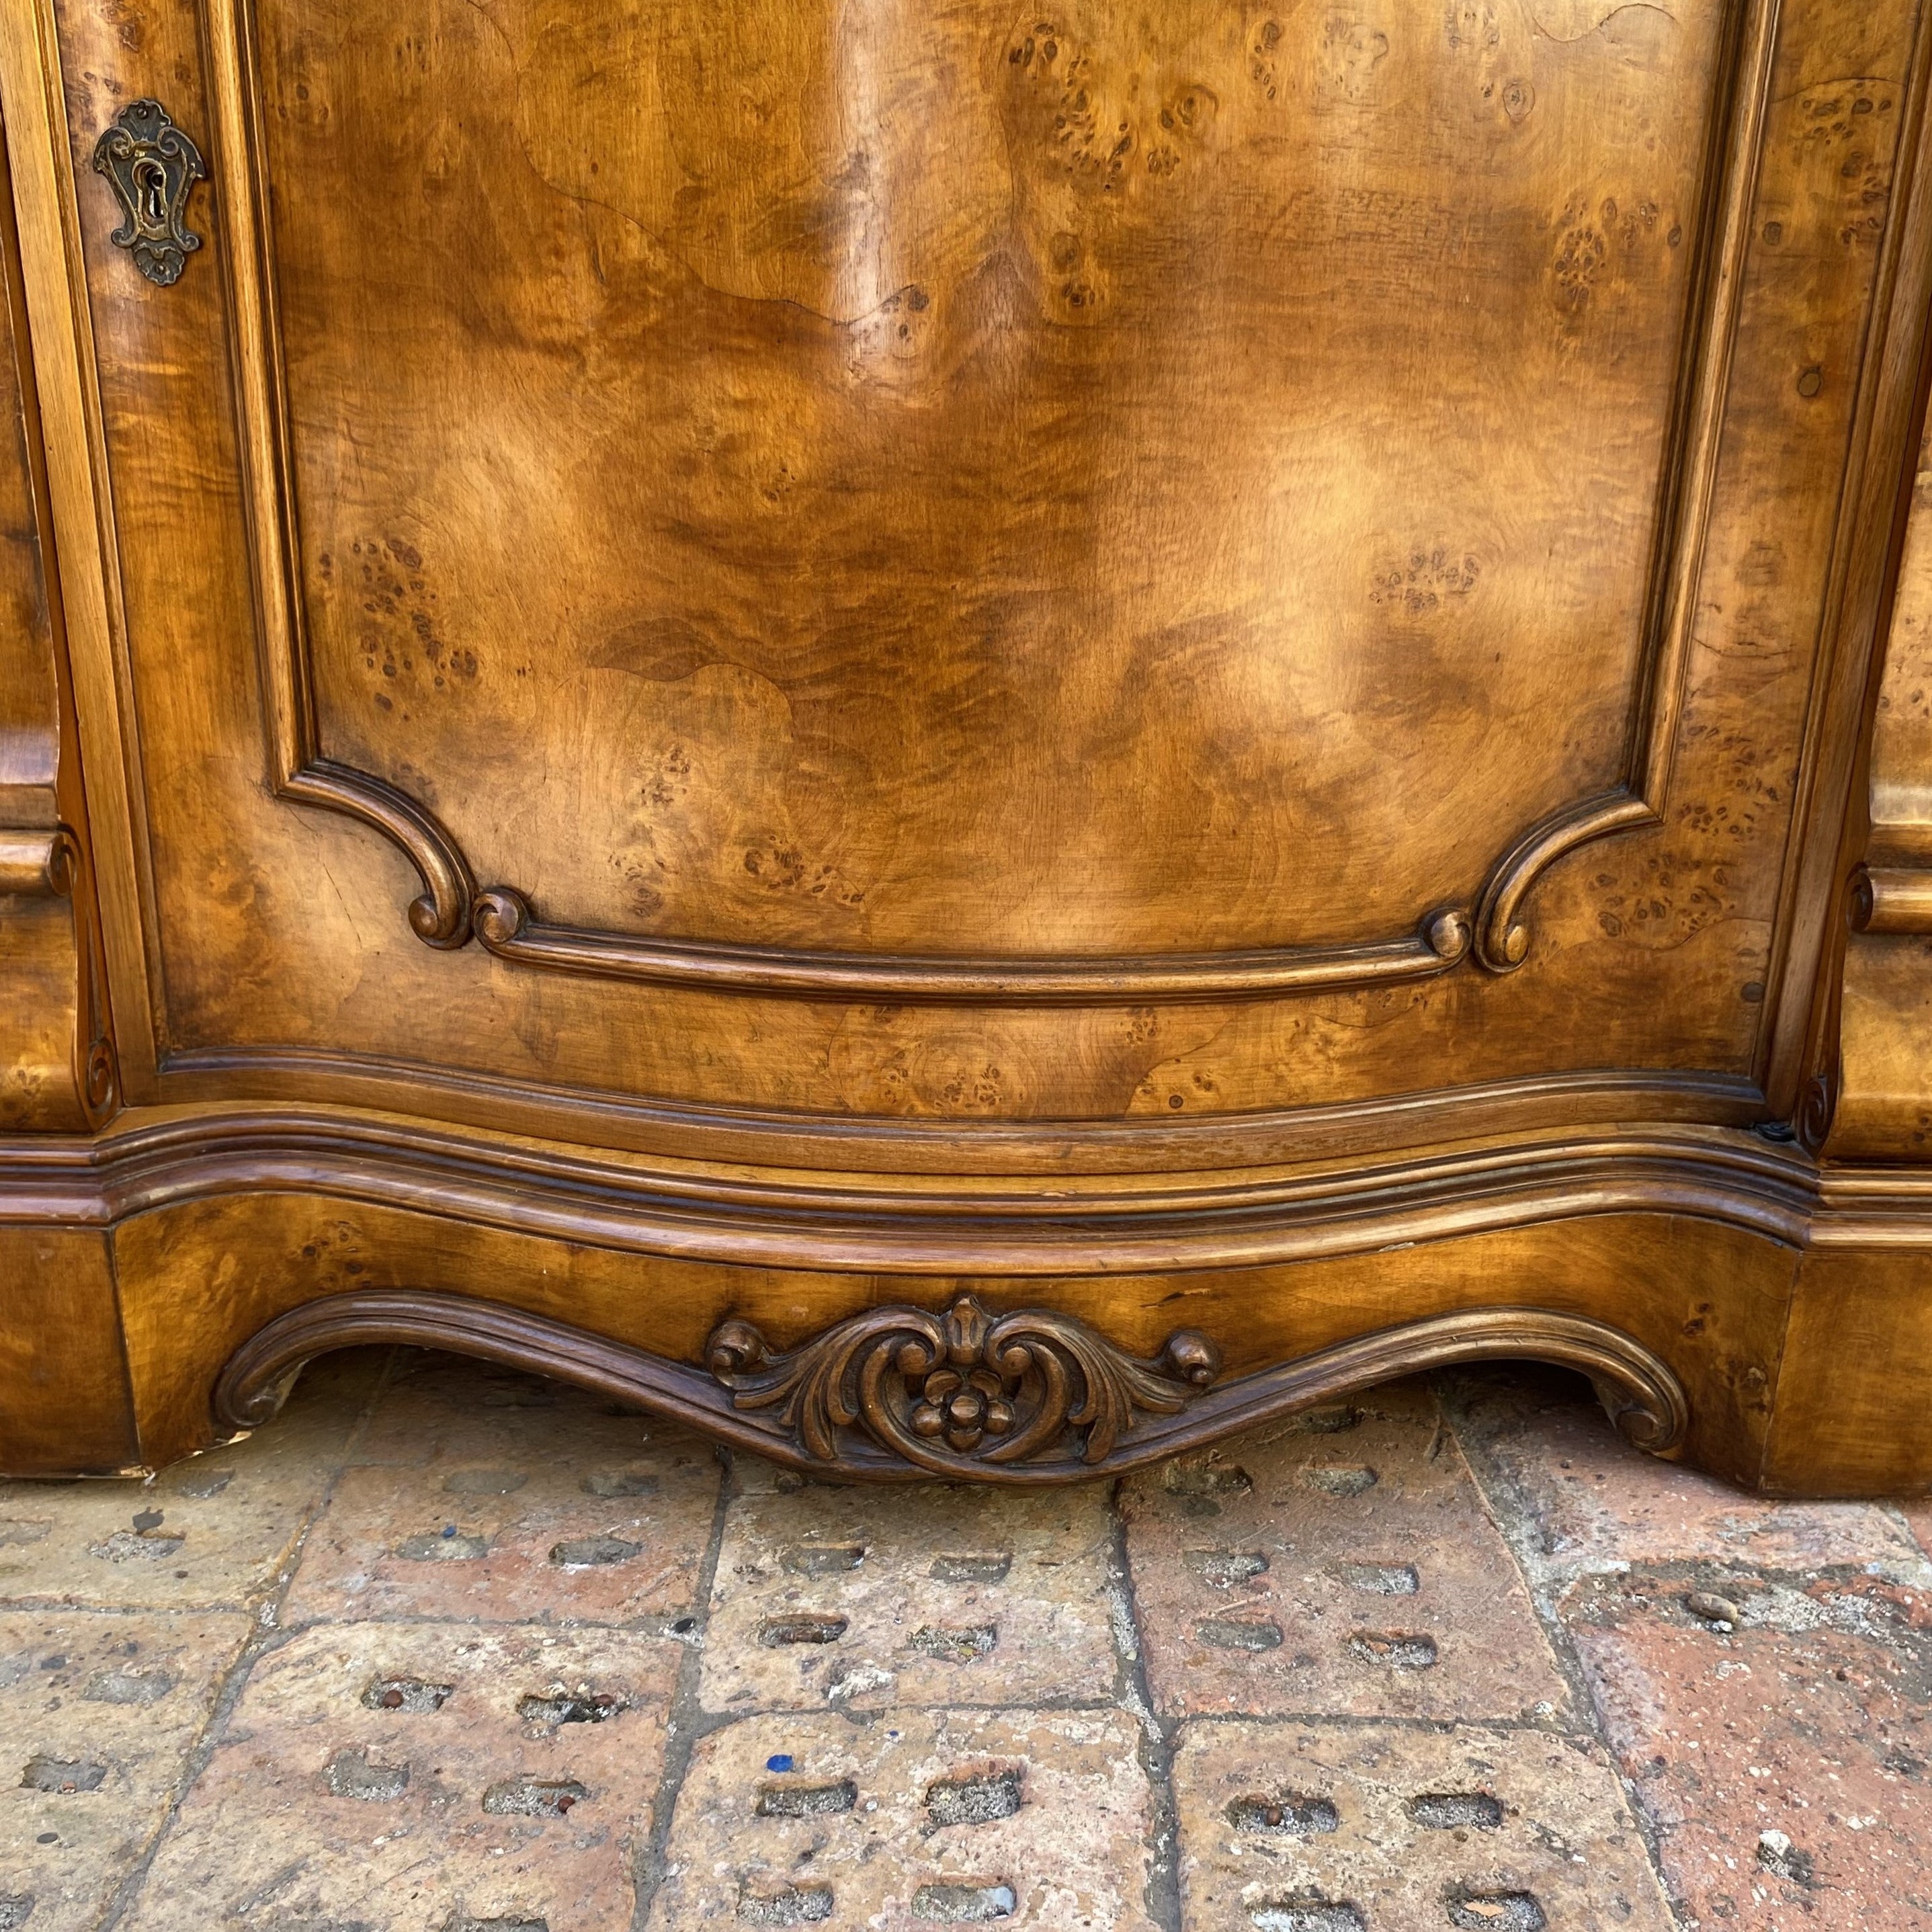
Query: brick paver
(394, 1773)
(478, 1492)
(217, 1531)
(99, 1715)
(1028, 1818)
(1408, 1825)
(1787, 1759)
(1345, 1564)
(1592, 1505)
(857, 1598)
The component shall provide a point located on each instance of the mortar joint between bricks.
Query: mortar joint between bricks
(1502, 1496)
(1157, 1745)
(687, 1721)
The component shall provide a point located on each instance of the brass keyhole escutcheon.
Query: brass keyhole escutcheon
(152, 166)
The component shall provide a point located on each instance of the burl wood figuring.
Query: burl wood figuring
(969, 741)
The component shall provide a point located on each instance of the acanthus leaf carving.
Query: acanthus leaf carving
(1029, 1399)
(958, 1393)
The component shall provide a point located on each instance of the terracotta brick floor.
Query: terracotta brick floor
(450, 1649)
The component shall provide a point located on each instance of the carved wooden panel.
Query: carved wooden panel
(998, 549)
(1277, 606)
(968, 741)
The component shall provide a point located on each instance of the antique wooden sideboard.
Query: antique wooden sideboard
(967, 739)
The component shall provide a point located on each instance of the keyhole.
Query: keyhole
(151, 181)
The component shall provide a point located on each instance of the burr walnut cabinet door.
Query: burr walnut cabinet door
(968, 739)
(866, 558)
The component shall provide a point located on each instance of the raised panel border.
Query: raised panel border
(1494, 932)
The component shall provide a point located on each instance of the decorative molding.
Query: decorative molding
(963, 1393)
(299, 768)
(1889, 900)
(48, 862)
(99, 1074)
(306, 1083)
(1015, 1226)
(505, 925)
(152, 167)
(51, 1085)
(839, 1416)
(1855, 737)
(1502, 932)
(440, 917)
(1867, 1206)
(1496, 933)
(1815, 1111)
(1851, 1017)
(39, 862)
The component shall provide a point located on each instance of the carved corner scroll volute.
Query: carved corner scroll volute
(57, 1065)
(966, 1393)
(1638, 803)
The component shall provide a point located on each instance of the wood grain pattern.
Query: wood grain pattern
(1852, 1419)
(1213, 666)
(1710, 1301)
(66, 1408)
(57, 1065)
(1883, 1108)
(504, 918)
(755, 710)
(1010, 1065)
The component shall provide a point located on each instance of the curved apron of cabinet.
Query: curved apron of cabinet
(968, 743)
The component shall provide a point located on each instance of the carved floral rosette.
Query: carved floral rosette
(959, 1392)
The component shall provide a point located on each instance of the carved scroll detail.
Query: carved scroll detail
(40, 862)
(1637, 804)
(950, 1392)
(1890, 900)
(75, 1089)
(902, 1392)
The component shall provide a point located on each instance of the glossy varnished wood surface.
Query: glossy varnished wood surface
(57, 1066)
(1886, 1029)
(999, 551)
(1057, 1400)
(1209, 667)
(1226, 804)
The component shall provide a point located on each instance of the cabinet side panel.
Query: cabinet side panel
(1854, 1409)
(56, 1059)
(1883, 1083)
(65, 1408)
